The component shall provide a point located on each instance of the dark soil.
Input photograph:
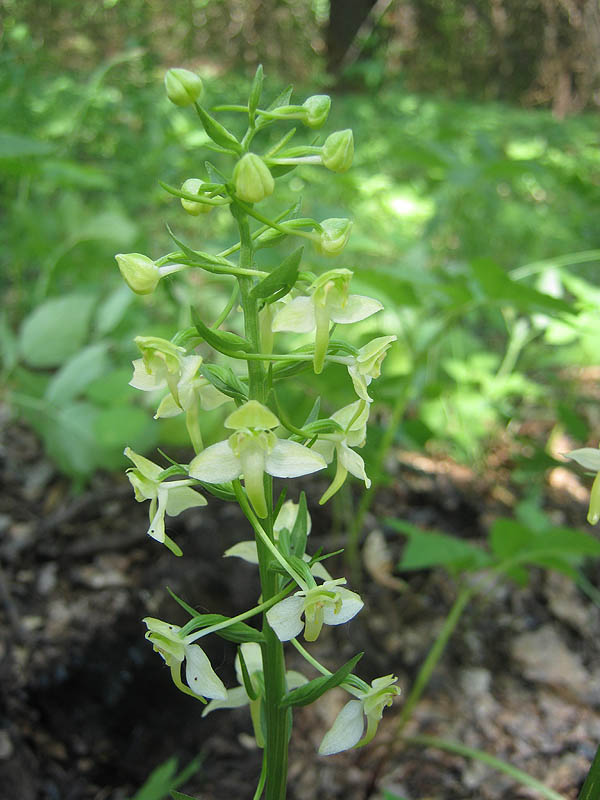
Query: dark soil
(87, 710)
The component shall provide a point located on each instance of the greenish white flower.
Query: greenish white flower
(367, 365)
(328, 301)
(286, 518)
(166, 497)
(252, 450)
(238, 696)
(183, 87)
(337, 153)
(328, 604)
(589, 457)
(192, 186)
(202, 680)
(142, 274)
(163, 366)
(353, 421)
(252, 179)
(347, 730)
(333, 236)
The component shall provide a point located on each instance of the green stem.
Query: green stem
(470, 752)
(434, 656)
(276, 718)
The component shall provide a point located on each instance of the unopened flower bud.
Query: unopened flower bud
(252, 179)
(183, 87)
(317, 108)
(140, 273)
(192, 186)
(334, 236)
(338, 151)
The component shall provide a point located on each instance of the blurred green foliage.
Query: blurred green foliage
(473, 226)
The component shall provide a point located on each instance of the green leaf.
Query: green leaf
(118, 426)
(496, 286)
(279, 282)
(238, 632)
(9, 349)
(112, 310)
(217, 132)
(426, 549)
(311, 691)
(79, 371)
(69, 439)
(181, 796)
(299, 532)
(510, 540)
(110, 226)
(220, 340)
(13, 146)
(55, 330)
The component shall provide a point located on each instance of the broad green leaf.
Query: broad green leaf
(8, 345)
(118, 426)
(110, 226)
(112, 389)
(55, 330)
(69, 438)
(497, 287)
(13, 145)
(79, 371)
(159, 782)
(426, 549)
(181, 796)
(112, 310)
(309, 692)
(510, 540)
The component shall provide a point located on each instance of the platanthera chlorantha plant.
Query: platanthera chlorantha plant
(298, 596)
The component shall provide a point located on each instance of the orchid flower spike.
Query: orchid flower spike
(202, 680)
(163, 366)
(286, 518)
(166, 497)
(347, 730)
(589, 457)
(328, 604)
(353, 421)
(252, 450)
(367, 364)
(238, 696)
(328, 301)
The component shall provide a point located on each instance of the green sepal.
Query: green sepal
(225, 380)
(255, 92)
(217, 132)
(246, 676)
(223, 341)
(311, 691)
(279, 282)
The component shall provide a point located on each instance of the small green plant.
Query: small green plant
(247, 369)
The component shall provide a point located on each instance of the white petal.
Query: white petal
(253, 658)
(318, 570)
(211, 397)
(346, 731)
(588, 457)
(200, 676)
(235, 698)
(325, 448)
(244, 550)
(354, 309)
(181, 498)
(144, 380)
(353, 463)
(216, 464)
(290, 459)
(297, 316)
(168, 407)
(351, 605)
(286, 618)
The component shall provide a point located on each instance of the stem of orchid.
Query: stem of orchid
(434, 656)
(276, 718)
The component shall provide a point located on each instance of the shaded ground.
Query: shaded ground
(87, 710)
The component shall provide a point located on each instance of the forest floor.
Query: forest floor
(87, 710)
